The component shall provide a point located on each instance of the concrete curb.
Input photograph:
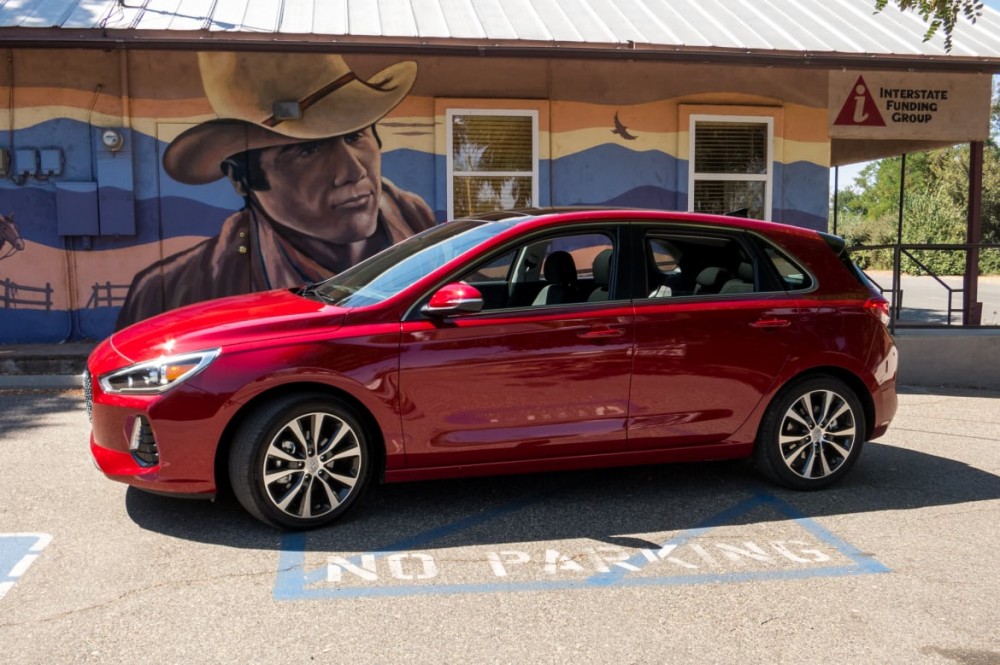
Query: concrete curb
(29, 381)
(949, 357)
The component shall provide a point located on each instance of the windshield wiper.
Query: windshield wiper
(312, 292)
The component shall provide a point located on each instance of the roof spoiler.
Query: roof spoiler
(836, 243)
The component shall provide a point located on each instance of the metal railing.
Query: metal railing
(917, 267)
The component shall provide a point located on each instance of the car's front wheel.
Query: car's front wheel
(300, 462)
(811, 435)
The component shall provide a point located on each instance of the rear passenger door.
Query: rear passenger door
(713, 329)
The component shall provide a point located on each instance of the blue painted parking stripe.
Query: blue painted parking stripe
(864, 561)
(566, 585)
(861, 562)
(294, 582)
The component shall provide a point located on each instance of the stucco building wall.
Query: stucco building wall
(108, 214)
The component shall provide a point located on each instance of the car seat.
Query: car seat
(602, 276)
(560, 273)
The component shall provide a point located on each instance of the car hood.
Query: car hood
(217, 323)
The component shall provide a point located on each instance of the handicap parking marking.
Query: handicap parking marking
(783, 544)
(17, 552)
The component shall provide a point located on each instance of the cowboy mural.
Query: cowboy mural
(296, 137)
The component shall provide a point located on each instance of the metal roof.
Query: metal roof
(803, 30)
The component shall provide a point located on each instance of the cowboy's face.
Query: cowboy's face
(328, 189)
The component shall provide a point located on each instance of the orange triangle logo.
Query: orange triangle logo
(860, 108)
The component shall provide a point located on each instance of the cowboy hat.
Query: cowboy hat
(244, 89)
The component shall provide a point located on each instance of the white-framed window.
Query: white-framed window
(731, 164)
(492, 160)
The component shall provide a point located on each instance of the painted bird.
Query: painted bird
(621, 130)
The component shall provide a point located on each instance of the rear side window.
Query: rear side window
(684, 262)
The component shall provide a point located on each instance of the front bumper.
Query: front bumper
(122, 466)
(172, 453)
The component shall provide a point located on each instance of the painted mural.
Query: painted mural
(241, 171)
(299, 145)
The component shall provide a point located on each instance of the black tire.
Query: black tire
(286, 478)
(811, 435)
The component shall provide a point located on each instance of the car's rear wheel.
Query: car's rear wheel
(812, 434)
(300, 462)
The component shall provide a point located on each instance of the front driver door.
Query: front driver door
(523, 379)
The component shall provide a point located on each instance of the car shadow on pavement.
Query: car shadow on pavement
(27, 408)
(633, 506)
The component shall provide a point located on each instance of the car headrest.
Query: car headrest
(712, 277)
(602, 267)
(560, 268)
(745, 272)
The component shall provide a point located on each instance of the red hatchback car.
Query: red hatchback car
(511, 342)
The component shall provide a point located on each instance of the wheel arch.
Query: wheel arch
(306, 389)
(852, 380)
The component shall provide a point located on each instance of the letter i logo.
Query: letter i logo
(859, 108)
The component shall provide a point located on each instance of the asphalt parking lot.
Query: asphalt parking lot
(675, 563)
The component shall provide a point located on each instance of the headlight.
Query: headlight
(157, 376)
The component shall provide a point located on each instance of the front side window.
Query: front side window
(567, 269)
(492, 160)
(731, 165)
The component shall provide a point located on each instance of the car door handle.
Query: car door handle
(606, 332)
(771, 323)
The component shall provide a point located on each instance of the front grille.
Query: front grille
(88, 395)
(142, 444)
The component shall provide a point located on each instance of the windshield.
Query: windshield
(387, 273)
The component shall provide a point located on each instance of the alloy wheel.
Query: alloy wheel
(312, 465)
(817, 434)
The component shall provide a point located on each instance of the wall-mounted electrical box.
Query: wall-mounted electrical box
(76, 209)
(25, 161)
(50, 162)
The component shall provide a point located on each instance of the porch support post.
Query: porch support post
(972, 309)
(897, 262)
(836, 191)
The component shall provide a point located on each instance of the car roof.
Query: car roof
(556, 216)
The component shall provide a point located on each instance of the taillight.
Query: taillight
(879, 307)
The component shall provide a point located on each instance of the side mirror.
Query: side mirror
(456, 298)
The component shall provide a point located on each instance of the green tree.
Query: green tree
(995, 112)
(934, 211)
(938, 14)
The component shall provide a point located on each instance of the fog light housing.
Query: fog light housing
(142, 444)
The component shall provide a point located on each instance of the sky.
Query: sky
(850, 172)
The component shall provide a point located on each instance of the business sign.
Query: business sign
(902, 106)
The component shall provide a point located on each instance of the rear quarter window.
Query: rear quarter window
(792, 276)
